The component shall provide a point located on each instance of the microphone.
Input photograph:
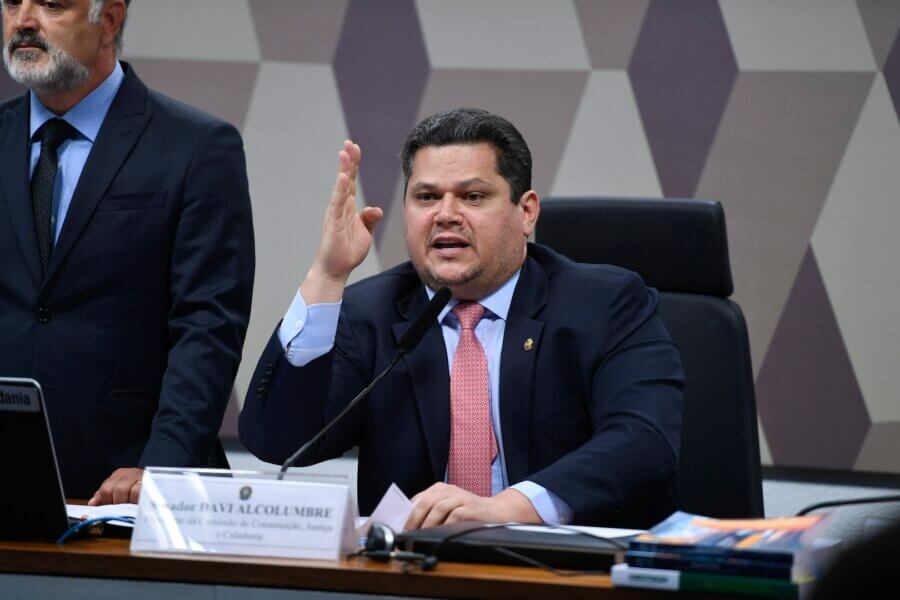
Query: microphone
(407, 344)
(417, 330)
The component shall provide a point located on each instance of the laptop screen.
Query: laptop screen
(32, 501)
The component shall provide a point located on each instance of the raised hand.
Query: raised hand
(346, 234)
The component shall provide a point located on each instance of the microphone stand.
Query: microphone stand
(407, 343)
(292, 458)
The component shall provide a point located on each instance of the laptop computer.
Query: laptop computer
(32, 502)
(474, 542)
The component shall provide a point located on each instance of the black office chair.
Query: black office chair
(864, 569)
(680, 248)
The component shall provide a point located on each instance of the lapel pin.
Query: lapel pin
(529, 344)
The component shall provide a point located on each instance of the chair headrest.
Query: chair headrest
(676, 245)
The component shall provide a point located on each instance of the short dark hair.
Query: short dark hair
(472, 126)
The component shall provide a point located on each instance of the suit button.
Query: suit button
(43, 314)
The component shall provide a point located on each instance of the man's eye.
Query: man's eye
(425, 197)
(474, 196)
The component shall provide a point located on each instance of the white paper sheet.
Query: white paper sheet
(82, 512)
(393, 510)
(601, 532)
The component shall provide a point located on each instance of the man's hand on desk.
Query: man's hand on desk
(444, 503)
(123, 486)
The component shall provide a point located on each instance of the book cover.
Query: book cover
(624, 575)
(709, 564)
(786, 547)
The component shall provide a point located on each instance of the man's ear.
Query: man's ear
(112, 19)
(530, 205)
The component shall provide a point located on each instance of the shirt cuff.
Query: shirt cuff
(307, 332)
(550, 507)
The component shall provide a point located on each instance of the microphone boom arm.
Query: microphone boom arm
(290, 461)
(408, 342)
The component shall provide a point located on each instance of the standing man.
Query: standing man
(546, 390)
(126, 251)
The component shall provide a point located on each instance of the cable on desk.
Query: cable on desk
(836, 503)
(90, 522)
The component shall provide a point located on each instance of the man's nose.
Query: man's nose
(448, 210)
(26, 16)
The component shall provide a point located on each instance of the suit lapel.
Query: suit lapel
(427, 367)
(517, 367)
(124, 123)
(14, 181)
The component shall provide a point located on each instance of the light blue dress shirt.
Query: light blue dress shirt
(308, 332)
(86, 117)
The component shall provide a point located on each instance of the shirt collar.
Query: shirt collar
(496, 303)
(86, 116)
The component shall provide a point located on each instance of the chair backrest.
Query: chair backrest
(680, 247)
(863, 569)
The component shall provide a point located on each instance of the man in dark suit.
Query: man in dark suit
(126, 251)
(546, 390)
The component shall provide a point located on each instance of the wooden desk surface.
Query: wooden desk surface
(111, 558)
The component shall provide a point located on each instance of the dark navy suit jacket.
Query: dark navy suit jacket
(592, 411)
(135, 331)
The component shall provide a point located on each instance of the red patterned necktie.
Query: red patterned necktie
(472, 443)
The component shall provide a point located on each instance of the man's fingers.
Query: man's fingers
(349, 159)
(370, 216)
(345, 163)
(423, 502)
(122, 490)
(434, 487)
(418, 514)
(434, 505)
(354, 154)
(460, 513)
(344, 177)
(343, 196)
(104, 494)
(118, 488)
(134, 494)
(441, 509)
(339, 196)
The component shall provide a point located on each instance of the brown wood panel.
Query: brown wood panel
(111, 558)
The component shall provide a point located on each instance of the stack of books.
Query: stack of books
(775, 558)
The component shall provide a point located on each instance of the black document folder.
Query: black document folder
(475, 542)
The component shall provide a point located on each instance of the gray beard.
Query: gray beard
(61, 73)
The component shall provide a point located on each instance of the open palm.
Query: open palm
(346, 234)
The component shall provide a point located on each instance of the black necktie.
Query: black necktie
(51, 135)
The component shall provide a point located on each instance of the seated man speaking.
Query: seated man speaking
(546, 390)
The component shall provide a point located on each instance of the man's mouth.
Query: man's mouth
(449, 247)
(28, 40)
(443, 245)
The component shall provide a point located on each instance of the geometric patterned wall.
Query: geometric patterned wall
(788, 112)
